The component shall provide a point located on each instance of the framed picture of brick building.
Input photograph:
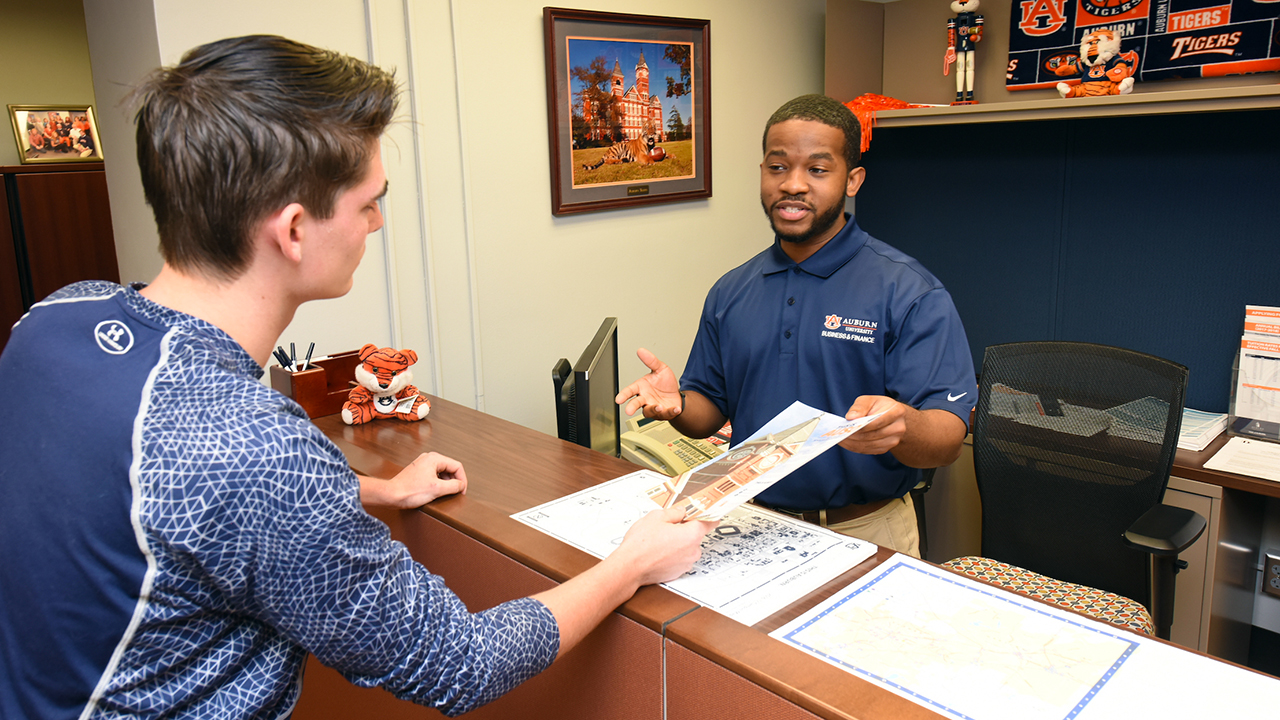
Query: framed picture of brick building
(629, 109)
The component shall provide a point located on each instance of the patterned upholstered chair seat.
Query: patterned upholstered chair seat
(1098, 604)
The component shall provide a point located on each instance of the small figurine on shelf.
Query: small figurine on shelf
(964, 32)
(382, 388)
(1104, 70)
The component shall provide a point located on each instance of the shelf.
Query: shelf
(896, 49)
(1182, 101)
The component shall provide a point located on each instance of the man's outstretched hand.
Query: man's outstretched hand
(657, 393)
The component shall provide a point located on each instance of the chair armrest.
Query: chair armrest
(1165, 530)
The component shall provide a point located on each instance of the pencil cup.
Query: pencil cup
(323, 387)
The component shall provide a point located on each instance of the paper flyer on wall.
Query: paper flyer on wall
(792, 438)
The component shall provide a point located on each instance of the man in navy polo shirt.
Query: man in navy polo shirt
(832, 317)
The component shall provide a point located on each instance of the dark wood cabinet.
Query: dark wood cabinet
(55, 229)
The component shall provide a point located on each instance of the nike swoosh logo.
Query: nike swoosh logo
(953, 398)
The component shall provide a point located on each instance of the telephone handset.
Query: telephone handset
(657, 445)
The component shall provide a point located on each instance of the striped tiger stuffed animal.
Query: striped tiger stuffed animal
(383, 389)
(636, 150)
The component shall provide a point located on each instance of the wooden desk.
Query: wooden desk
(488, 558)
(658, 656)
(618, 671)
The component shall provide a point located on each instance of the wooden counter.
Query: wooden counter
(658, 656)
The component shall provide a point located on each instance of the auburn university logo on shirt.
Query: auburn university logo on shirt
(855, 329)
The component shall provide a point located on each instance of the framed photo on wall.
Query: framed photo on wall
(55, 133)
(628, 108)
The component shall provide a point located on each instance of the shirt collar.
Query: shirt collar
(831, 257)
(228, 353)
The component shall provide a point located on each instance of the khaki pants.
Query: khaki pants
(892, 526)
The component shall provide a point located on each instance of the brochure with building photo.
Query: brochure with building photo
(792, 438)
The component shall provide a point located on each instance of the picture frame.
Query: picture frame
(55, 133)
(615, 82)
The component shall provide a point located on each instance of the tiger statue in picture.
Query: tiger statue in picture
(637, 150)
(382, 388)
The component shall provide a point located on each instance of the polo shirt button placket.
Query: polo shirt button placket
(788, 313)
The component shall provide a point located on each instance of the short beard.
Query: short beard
(821, 223)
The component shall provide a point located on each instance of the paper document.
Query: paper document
(967, 650)
(1262, 320)
(1258, 380)
(792, 438)
(1242, 456)
(755, 563)
(1255, 393)
(1199, 428)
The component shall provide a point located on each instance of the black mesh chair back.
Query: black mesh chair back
(1072, 443)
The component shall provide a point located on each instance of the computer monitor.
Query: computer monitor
(586, 413)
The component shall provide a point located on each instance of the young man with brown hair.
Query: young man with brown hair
(178, 536)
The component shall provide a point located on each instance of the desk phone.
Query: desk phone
(657, 445)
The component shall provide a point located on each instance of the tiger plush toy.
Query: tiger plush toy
(636, 150)
(1102, 67)
(383, 389)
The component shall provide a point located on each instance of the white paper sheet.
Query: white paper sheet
(1243, 456)
(967, 650)
(754, 564)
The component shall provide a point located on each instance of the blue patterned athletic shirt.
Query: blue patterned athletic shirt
(176, 537)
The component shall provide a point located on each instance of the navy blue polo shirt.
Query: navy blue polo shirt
(856, 318)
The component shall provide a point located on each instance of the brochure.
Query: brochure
(792, 438)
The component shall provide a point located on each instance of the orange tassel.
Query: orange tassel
(865, 106)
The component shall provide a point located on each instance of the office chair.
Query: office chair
(917, 499)
(1072, 448)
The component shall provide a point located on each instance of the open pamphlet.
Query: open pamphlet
(755, 563)
(792, 438)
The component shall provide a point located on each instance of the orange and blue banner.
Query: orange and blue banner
(1172, 38)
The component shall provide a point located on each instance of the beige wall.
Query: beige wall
(45, 59)
(472, 270)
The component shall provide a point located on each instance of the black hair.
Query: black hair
(827, 111)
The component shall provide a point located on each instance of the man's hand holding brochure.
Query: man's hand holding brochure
(792, 438)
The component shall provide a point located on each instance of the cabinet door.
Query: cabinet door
(1194, 584)
(66, 228)
(10, 294)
